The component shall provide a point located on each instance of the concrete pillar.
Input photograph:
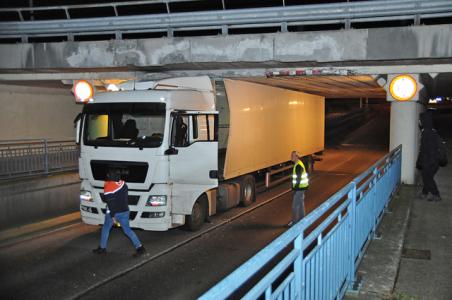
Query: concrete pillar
(404, 130)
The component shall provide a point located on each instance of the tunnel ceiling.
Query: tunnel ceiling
(441, 85)
(356, 86)
(327, 86)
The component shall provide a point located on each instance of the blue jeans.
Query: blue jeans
(297, 206)
(123, 219)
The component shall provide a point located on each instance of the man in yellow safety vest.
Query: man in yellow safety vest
(300, 183)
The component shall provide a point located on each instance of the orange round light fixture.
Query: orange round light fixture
(83, 91)
(403, 87)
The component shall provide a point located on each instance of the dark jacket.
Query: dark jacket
(116, 196)
(428, 151)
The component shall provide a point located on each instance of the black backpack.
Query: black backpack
(442, 152)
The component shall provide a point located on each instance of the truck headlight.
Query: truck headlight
(86, 196)
(159, 200)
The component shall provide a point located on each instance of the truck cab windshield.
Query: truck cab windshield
(124, 124)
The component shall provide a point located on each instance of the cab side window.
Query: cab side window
(204, 128)
(188, 129)
(200, 132)
(179, 136)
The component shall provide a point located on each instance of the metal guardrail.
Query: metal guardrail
(321, 262)
(20, 158)
(283, 16)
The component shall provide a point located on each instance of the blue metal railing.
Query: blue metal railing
(325, 248)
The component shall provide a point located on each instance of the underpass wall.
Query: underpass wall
(34, 199)
(36, 112)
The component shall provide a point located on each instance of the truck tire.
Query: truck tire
(198, 215)
(247, 190)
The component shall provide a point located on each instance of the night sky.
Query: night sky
(229, 3)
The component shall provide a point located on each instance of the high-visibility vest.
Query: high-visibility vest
(304, 181)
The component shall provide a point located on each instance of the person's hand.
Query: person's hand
(418, 166)
(114, 220)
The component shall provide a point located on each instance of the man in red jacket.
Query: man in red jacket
(116, 196)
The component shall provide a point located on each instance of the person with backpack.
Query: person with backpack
(428, 161)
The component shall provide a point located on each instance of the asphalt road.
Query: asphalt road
(181, 264)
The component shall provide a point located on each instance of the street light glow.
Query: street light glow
(403, 87)
(83, 91)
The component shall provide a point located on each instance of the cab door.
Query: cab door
(193, 157)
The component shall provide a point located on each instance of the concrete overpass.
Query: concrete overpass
(233, 54)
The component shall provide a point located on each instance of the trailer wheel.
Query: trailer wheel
(247, 191)
(198, 215)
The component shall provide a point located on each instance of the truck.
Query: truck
(192, 146)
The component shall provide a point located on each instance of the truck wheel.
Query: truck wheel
(198, 215)
(247, 191)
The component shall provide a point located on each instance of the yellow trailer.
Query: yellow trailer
(267, 123)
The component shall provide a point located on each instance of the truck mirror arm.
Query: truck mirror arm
(77, 118)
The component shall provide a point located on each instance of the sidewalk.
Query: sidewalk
(25, 232)
(429, 230)
(413, 257)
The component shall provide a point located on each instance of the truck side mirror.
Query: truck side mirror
(78, 123)
(171, 151)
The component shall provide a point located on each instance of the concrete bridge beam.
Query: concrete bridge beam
(431, 43)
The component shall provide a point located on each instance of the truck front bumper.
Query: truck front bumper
(155, 218)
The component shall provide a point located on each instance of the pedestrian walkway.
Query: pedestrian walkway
(25, 232)
(412, 257)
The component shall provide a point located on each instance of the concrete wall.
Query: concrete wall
(380, 44)
(30, 200)
(33, 112)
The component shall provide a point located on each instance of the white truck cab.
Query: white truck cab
(165, 144)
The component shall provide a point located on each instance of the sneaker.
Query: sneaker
(423, 196)
(100, 250)
(140, 251)
(436, 198)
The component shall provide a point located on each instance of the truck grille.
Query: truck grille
(130, 171)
